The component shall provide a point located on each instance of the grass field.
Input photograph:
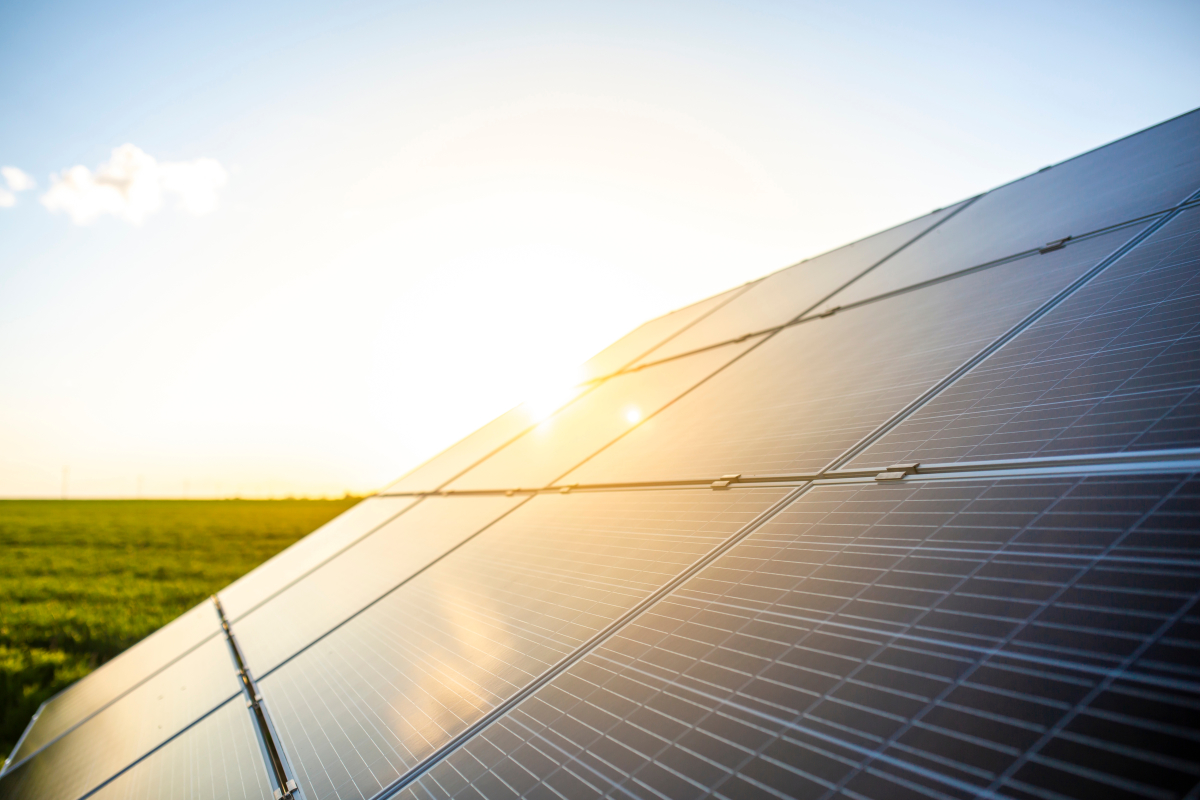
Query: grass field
(84, 579)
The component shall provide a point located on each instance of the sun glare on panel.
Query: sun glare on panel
(633, 415)
(552, 394)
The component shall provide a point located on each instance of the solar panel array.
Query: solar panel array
(916, 518)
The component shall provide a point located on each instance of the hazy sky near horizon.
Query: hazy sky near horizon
(297, 248)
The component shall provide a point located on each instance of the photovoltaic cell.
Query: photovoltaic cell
(307, 554)
(629, 348)
(141, 720)
(593, 421)
(783, 296)
(363, 705)
(113, 679)
(218, 758)
(815, 389)
(1031, 638)
(1143, 174)
(1115, 368)
(362, 574)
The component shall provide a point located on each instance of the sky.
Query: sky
(272, 249)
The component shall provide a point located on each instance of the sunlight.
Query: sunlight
(633, 415)
(550, 395)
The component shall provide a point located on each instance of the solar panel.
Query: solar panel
(629, 349)
(782, 297)
(595, 420)
(916, 518)
(1132, 177)
(1115, 368)
(81, 700)
(309, 553)
(362, 574)
(809, 393)
(407, 675)
(217, 758)
(130, 727)
(939, 638)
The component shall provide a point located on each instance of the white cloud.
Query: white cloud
(7, 199)
(17, 180)
(131, 185)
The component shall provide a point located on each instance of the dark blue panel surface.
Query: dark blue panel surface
(1115, 368)
(1031, 638)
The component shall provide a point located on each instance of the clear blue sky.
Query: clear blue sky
(371, 227)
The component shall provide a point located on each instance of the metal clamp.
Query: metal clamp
(897, 472)
(726, 480)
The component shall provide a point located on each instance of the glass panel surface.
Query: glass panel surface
(609, 411)
(1031, 638)
(815, 389)
(366, 703)
(310, 552)
(111, 680)
(1148, 172)
(218, 758)
(783, 296)
(114, 738)
(1115, 368)
(362, 574)
(647, 336)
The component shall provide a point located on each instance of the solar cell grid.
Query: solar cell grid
(141, 720)
(1115, 368)
(1142, 174)
(783, 296)
(368, 702)
(928, 639)
(813, 390)
(218, 758)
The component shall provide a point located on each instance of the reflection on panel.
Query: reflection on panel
(1142, 174)
(359, 576)
(1011, 638)
(609, 411)
(1116, 367)
(629, 348)
(815, 389)
(309, 553)
(218, 758)
(129, 728)
(369, 701)
(783, 296)
(111, 680)
(459, 457)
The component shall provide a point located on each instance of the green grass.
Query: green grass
(83, 580)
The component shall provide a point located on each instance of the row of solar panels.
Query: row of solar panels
(1027, 627)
